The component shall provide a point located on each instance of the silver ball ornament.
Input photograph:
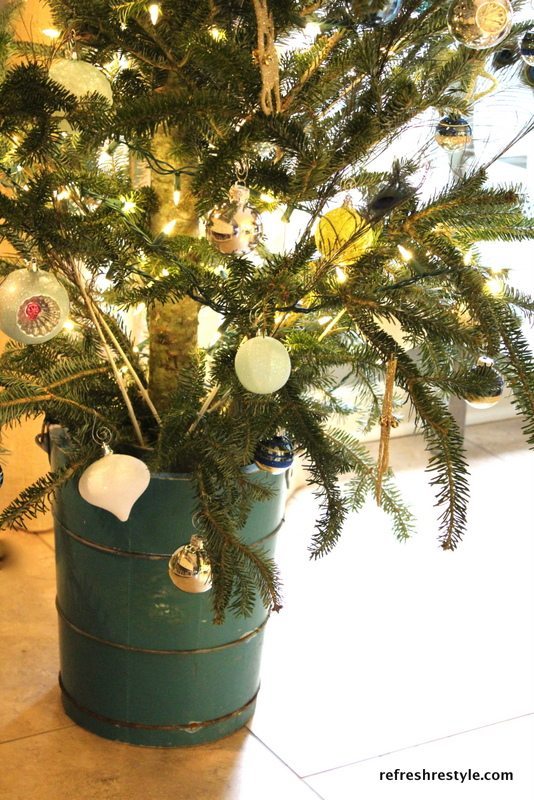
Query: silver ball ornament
(385, 13)
(262, 365)
(234, 227)
(480, 24)
(33, 306)
(189, 567)
(484, 368)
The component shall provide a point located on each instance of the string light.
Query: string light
(128, 206)
(267, 197)
(217, 34)
(176, 195)
(154, 11)
(52, 33)
(341, 275)
(312, 29)
(169, 227)
(64, 194)
(324, 320)
(495, 283)
(69, 325)
(164, 272)
(405, 254)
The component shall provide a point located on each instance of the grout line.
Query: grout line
(300, 778)
(419, 744)
(38, 733)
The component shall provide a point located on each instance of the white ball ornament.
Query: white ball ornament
(80, 78)
(34, 306)
(262, 365)
(114, 483)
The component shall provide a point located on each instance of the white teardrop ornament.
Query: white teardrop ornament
(114, 483)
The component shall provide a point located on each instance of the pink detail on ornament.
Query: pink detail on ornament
(32, 309)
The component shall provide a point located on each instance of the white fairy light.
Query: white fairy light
(405, 254)
(154, 11)
(312, 29)
(217, 34)
(169, 227)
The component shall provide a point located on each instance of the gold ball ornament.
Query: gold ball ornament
(33, 306)
(342, 235)
(189, 567)
(480, 24)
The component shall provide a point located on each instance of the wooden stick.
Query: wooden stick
(387, 421)
(142, 389)
(118, 377)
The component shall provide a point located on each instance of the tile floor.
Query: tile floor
(385, 657)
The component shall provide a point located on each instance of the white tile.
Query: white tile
(381, 645)
(506, 747)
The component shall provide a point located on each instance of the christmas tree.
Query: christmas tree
(138, 121)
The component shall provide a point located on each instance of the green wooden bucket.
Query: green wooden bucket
(141, 661)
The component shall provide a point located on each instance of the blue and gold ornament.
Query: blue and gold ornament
(453, 133)
(274, 455)
(526, 48)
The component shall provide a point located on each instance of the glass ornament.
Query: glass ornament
(342, 235)
(80, 78)
(382, 13)
(262, 365)
(526, 48)
(33, 306)
(274, 455)
(234, 227)
(528, 75)
(484, 369)
(189, 567)
(480, 24)
(505, 57)
(114, 482)
(453, 133)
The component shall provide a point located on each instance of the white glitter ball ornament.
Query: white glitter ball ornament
(80, 78)
(262, 365)
(33, 306)
(114, 483)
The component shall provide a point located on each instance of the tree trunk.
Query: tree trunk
(172, 326)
